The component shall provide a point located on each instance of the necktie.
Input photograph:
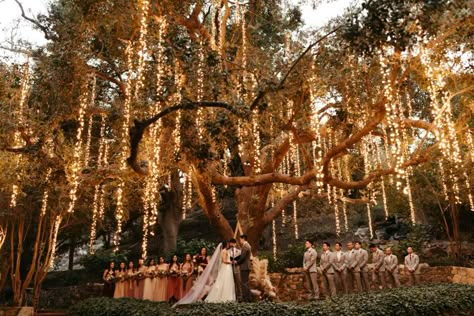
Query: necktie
(410, 257)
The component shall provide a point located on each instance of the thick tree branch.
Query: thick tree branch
(261, 94)
(137, 131)
(271, 214)
(43, 28)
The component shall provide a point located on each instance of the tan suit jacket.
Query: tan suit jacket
(309, 260)
(326, 263)
(363, 260)
(339, 264)
(352, 258)
(377, 260)
(412, 262)
(391, 263)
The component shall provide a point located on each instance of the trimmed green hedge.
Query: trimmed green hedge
(429, 299)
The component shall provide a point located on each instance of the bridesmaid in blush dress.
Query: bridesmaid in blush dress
(150, 281)
(120, 281)
(175, 284)
(130, 283)
(140, 280)
(161, 284)
(108, 277)
(187, 270)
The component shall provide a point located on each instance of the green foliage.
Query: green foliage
(429, 299)
(99, 261)
(291, 258)
(193, 247)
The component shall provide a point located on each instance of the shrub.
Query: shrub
(193, 247)
(428, 299)
(291, 258)
(98, 262)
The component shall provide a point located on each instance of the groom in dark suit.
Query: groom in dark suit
(234, 254)
(245, 267)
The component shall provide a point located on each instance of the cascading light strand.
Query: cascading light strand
(295, 220)
(200, 91)
(18, 142)
(90, 124)
(410, 196)
(344, 211)
(57, 225)
(44, 201)
(95, 216)
(369, 218)
(76, 163)
(142, 50)
(336, 211)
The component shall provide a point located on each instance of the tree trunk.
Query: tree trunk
(169, 218)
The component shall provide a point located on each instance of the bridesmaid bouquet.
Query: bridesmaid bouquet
(185, 276)
(174, 273)
(110, 278)
(120, 277)
(152, 274)
(162, 273)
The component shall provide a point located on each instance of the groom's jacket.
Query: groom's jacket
(244, 260)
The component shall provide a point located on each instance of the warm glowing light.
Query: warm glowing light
(369, 217)
(3, 236)
(295, 220)
(142, 49)
(78, 150)
(200, 91)
(410, 197)
(18, 141)
(274, 240)
(95, 215)
(57, 225)
(344, 211)
(44, 201)
(256, 141)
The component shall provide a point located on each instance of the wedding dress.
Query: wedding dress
(216, 275)
(223, 289)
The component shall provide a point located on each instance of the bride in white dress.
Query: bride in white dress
(217, 280)
(223, 289)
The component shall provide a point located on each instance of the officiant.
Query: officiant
(234, 254)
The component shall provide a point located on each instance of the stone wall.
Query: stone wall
(290, 284)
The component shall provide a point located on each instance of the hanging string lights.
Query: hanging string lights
(57, 225)
(44, 200)
(410, 196)
(90, 124)
(200, 91)
(18, 141)
(78, 150)
(3, 236)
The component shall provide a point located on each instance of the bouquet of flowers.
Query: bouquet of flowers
(185, 275)
(109, 278)
(120, 277)
(161, 273)
(152, 274)
(174, 273)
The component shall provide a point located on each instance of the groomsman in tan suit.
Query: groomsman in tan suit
(363, 268)
(411, 264)
(339, 265)
(353, 273)
(378, 274)
(310, 269)
(391, 268)
(326, 265)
